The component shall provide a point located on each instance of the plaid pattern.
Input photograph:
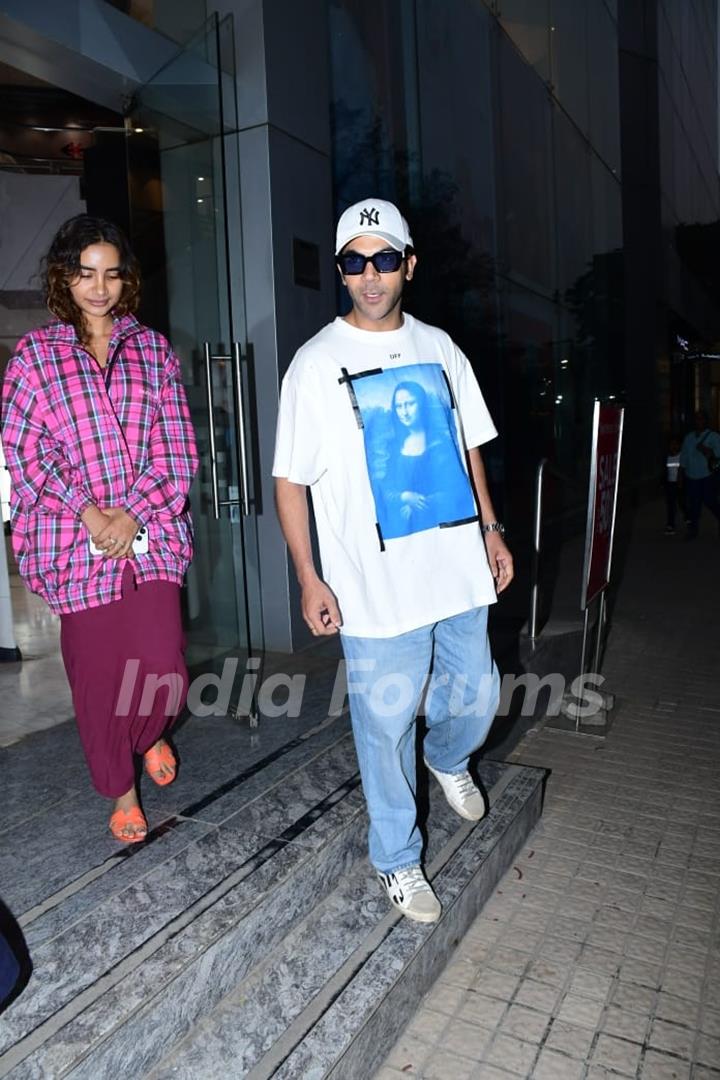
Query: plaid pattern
(75, 434)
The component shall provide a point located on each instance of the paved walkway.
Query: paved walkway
(599, 954)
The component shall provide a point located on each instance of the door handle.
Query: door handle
(241, 446)
(240, 423)
(211, 431)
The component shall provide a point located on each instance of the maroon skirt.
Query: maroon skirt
(127, 673)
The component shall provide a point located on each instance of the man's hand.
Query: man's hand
(320, 608)
(116, 537)
(500, 559)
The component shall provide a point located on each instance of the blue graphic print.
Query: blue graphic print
(415, 465)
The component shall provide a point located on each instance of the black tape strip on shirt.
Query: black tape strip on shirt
(460, 521)
(450, 389)
(380, 535)
(347, 378)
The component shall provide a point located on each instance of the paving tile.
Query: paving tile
(591, 984)
(508, 1053)
(483, 929)
(428, 1024)
(523, 1023)
(683, 983)
(445, 999)
(468, 1040)
(530, 918)
(658, 1066)
(616, 1054)
(510, 961)
(496, 984)
(580, 1010)
(650, 950)
(444, 1064)
(490, 1072)
(707, 1051)
(553, 1066)
(479, 1009)
(676, 1009)
(710, 1022)
(409, 1055)
(570, 1039)
(460, 972)
(702, 1072)
(625, 1024)
(600, 960)
(541, 996)
(544, 970)
(672, 1037)
(628, 995)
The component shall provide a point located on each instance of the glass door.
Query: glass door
(185, 226)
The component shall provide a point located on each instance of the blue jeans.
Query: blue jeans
(699, 493)
(386, 678)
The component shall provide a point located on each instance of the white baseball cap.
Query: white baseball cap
(373, 217)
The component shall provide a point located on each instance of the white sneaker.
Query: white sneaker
(411, 893)
(462, 793)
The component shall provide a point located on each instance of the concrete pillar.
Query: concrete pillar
(282, 58)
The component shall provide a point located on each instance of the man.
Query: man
(699, 451)
(380, 416)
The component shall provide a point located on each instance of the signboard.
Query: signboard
(602, 499)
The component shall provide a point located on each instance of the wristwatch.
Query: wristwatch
(494, 526)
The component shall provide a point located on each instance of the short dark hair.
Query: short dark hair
(61, 267)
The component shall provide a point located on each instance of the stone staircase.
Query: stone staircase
(248, 937)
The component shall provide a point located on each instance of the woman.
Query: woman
(424, 483)
(101, 453)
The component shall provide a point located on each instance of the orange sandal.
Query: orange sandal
(158, 758)
(122, 818)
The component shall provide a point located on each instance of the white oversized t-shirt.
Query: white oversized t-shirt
(376, 423)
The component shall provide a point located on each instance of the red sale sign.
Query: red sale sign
(602, 498)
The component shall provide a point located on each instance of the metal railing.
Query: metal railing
(544, 465)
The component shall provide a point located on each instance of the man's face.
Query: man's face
(376, 297)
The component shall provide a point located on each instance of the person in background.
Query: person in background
(700, 462)
(101, 453)
(672, 484)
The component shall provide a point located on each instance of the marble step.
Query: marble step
(333, 995)
(176, 921)
(131, 952)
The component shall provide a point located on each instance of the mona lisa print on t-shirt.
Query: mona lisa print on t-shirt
(415, 465)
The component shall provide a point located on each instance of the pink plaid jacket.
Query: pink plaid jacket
(76, 434)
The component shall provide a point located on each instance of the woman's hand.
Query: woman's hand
(94, 520)
(116, 537)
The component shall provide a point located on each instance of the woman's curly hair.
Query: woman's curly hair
(61, 267)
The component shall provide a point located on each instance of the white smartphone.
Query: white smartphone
(140, 544)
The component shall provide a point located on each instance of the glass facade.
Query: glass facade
(687, 55)
(497, 128)
(176, 19)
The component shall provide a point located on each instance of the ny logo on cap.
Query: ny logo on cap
(370, 217)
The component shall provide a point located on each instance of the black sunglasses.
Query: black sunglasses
(385, 262)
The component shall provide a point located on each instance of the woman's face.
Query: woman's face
(98, 287)
(406, 407)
